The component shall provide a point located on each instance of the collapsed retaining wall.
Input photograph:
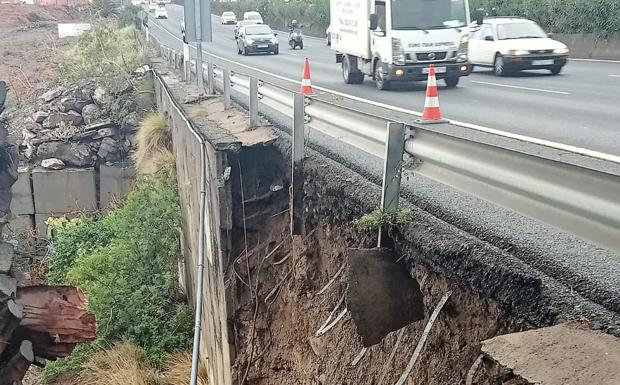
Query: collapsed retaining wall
(268, 295)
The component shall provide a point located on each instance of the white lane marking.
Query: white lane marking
(521, 88)
(614, 76)
(510, 135)
(596, 60)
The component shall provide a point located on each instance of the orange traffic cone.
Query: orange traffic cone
(432, 113)
(306, 86)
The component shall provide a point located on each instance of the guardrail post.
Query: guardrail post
(297, 174)
(226, 87)
(211, 79)
(253, 102)
(394, 148)
(186, 63)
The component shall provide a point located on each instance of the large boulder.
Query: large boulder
(73, 104)
(40, 116)
(52, 94)
(72, 154)
(90, 113)
(109, 150)
(56, 118)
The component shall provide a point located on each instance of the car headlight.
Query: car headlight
(561, 51)
(274, 40)
(398, 56)
(464, 39)
(518, 52)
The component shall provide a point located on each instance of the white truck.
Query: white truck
(396, 40)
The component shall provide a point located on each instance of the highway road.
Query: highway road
(580, 107)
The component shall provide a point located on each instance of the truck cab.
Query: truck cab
(396, 40)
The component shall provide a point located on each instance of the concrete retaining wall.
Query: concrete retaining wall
(587, 46)
(39, 194)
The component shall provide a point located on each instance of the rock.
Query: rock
(99, 96)
(130, 123)
(56, 118)
(90, 113)
(106, 132)
(86, 136)
(53, 164)
(73, 104)
(51, 94)
(72, 154)
(109, 151)
(40, 116)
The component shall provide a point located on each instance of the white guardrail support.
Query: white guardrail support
(210, 79)
(583, 200)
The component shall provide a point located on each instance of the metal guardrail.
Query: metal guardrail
(574, 196)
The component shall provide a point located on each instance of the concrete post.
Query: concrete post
(394, 148)
(253, 102)
(297, 173)
(186, 63)
(226, 87)
(211, 79)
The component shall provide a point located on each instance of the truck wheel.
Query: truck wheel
(349, 76)
(452, 81)
(380, 81)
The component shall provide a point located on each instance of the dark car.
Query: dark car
(242, 23)
(257, 38)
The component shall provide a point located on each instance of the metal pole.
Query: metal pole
(297, 219)
(253, 102)
(211, 79)
(394, 148)
(226, 87)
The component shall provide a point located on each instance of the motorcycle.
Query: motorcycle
(296, 39)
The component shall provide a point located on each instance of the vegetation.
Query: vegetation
(126, 262)
(105, 54)
(153, 141)
(377, 219)
(601, 17)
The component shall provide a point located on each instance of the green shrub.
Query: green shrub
(105, 54)
(377, 219)
(126, 263)
(128, 16)
(103, 8)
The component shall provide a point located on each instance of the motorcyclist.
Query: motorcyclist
(294, 26)
(294, 34)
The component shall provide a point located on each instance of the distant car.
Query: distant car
(510, 44)
(257, 38)
(243, 23)
(252, 15)
(161, 12)
(228, 18)
(328, 35)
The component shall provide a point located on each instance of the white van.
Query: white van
(253, 16)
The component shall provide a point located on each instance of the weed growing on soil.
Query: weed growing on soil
(121, 364)
(377, 219)
(179, 367)
(106, 54)
(153, 140)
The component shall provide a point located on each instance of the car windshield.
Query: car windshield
(228, 14)
(428, 14)
(520, 31)
(258, 30)
(253, 17)
(246, 22)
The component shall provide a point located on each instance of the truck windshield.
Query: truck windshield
(428, 14)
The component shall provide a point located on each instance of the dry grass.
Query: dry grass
(179, 367)
(153, 145)
(122, 364)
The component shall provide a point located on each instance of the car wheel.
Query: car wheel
(498, 66)
(380, 81)
(452, 81)
(556, 70)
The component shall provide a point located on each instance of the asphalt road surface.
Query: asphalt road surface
(580, 107)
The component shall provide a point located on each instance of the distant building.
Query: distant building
(62, 3)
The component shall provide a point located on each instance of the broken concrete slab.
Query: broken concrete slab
(381, 295)
(558, 355)
(73, 154)
(22, 203)
(115, 182)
